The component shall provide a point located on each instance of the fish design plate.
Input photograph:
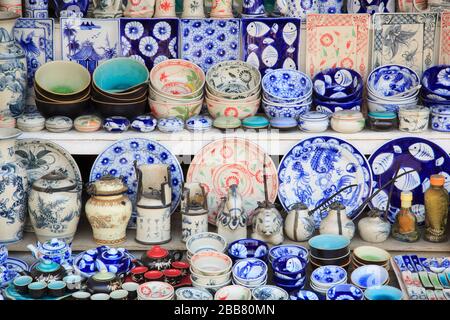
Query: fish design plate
(316, 168)
(229, 161)
(424, 157)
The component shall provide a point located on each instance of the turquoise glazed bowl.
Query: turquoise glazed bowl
(383, 293)
(120, 74)
(329, 246)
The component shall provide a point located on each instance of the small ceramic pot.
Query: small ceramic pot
(56, 288)
(103, 282)
(374, 229)
(413, 119)
(47, 271)
(299, 225)
(337, 222)
(21, 284)
(54, 249)
(159, 258)
(114, 260)
(382, 121)
(31, 122)
(37, 289)
(58, 124)
(347, 121)
(440, 118)
(313, 121)
(116, 124)
(137, 274)
(199, 123)
(144, 123)
(171, 124)
(88, 123)
(226, 123)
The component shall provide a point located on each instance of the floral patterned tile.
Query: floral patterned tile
(444, 54)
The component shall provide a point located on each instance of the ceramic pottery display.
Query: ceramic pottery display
(299, 225)
(444, 54)
(118, 160)
(36, 9)
(14, 187)
(165, 9)
(229, 161)
(54, 205)
(370, 6)
(13, 68)
(222, 9)
(149, 41)
(209, 41)
(297, 8)
(268, 224)
(108, 210)
(349, 48)
(424, 158)
(337, 222)
(154, 200)
(404, 38)
(96, 40)
(194, 210)
(250, 272)
(107, 9)
(231, 218)
(374, 228)
(71, 8)
(193, 9)
(54, 249)
(306, 177)
(14, 6)
(139, 8)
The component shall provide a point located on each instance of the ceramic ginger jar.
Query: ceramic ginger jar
(299, 225)
(108, 210)
(374, 228)
(337, 222)
(231, 217)
(268, 224)
(54, 205)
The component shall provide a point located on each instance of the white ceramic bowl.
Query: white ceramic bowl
(211, 288)
(155, 290)
(233, 292)
(189, 293)
(211, 263)
(369, 275)
(252, 97)
(371, 255)
(268, 292)
(157, 96)
(205, 241)
(234, 108)
(183, 110)
(210, 280)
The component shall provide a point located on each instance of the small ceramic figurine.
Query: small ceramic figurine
(231, 217)
(405, 226)
(374, 228)
(337, 222)
(268, 224)
(194, 210)
(154, 199)
(193, 9)
(299, 225)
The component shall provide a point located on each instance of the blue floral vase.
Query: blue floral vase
(36, 9)
(13, 69)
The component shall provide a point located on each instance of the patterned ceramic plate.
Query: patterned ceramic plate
(118, 160)
(318, 167)
(15, 266)
(403, 154)
(155, 290)
(229, 161)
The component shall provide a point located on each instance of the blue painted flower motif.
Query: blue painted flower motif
(148, 46)
(248, 3)
(173, 49)
(160, 59)
(444, 77)
(134, 30)
(162, 30)
(137, 57)
(126, 46)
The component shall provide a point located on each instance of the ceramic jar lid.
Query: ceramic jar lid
(54, 182)
(157, 252)
(227, 123)
(382, 115)
(113, 254)
(255, 122)
(199, 122)
(414, 110)
(47, 266)
(348, 115)
(441, 110)
(107, 186)
(88, 123)
(53, 245)
(104, 276)
(58, 124)
(313, 116)
(7, 122)
(31, 122)
(282, 123)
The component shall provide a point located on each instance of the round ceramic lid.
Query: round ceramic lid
(279, 122)
(157, 252)
(108, 185)
(59, 122)
(112, 253)
(47, 266)
(383, 115)
(227, 122)
(348, 115)
(313, 116)
(104, 275)
(54, 181)
(53, 245)
(255, 122)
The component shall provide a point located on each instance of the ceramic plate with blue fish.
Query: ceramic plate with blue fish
(118, 160)
(316, 168)
(404, 154)
(14, 267)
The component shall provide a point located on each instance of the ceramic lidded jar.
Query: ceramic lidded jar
(108, 210)
(194, 210)
(413, 118)
(55, 250)
(313, 121)
(374, 228)
(299, 225)
(337, 222)
(54, 205)
(159, 258)
(103, 282)
(113, 260)
(193, 9)
(14, 189)
(222, 9)
(139, 8)
(165, 9)
(440, 118)
(347, 121)
(13, 69)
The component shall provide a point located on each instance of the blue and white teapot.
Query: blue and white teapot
(113, 260)
(55, 250)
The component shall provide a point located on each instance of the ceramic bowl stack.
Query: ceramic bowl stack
(155, 290)
(288, 250)
(392, 87)
(329, 249)
(248, 248)
(287, 93)
(120, 88)
(365, 255)
(233, 89)
(337, 89)
(326, 277)
(62, 88)
(205, 241)
(210, 270)
(289, 272)
(176, 89)
(250, 273)
(369, 276)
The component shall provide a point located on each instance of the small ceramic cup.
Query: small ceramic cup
(120, 294)
(21, 284)
(56, 288)
(154, 275)
(37, 289)
(182, 266)
(172, 276)
(73, 282)
(131, 287)
(81, 295)
(100, 296)
(137, 274)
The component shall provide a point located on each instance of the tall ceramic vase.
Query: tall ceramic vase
(13, 69)
(222, 9)
(11, 6)
(108, 8)
(13, 189)
(139, 8)
(36, 9)
(165, 9)
(193, 9)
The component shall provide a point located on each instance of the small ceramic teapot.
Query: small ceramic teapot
(47, 271)
(113, 260)
(159, 258)
(299, 225)
(374, 228)
(55, 250)
(268, 224)
(337, 222)
(231, 217)
(103, 282)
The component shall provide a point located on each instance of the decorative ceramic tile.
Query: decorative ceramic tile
(444, 54)
(271, 43)
(35, 36)
(89, 41)
(149, 40)
(338, 40)
(210, 41)
(404, 38)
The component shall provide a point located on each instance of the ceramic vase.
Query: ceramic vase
(231, 217)
(13, 187)
(299, 225)
(253, 8)
(11, 6)
(268, 224)
(194, 210)
(193, 9)
(139, 8)
(71, 8)
(337, 222)
(108, 9)
(54, 205)
(36, 9)
(374, 229)
(165, 9)
(222, 9)
(13, 69)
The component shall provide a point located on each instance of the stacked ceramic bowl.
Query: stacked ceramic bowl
(205, 241)
(391, 87)
(233, 89)
(248, 248)
(365, 255)
(289, 272)
(329, 249)
(155, 290)
(337, 89)
(287, 93)
(210, 270)
(62, 88)
(370, 275)
(120, 88)
(176, 89)
(250, 273)
(326, 277)
(288, 250)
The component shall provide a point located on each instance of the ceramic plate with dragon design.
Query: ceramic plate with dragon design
(316, 168)
(229, 161)
(404, 154)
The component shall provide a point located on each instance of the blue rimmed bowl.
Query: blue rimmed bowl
(338, 84)
(250, 271)
(248, 248)
(278, 110)
(288, 250)
(369, 275)
(289, 267)
(286, 85)
(383, 293)
(326, 277)
(303, 295)
(345, 291)
(436, 82)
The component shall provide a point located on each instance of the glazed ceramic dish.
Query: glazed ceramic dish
(288, 250)
(155, 290)
(369, 276)
(118, 160)
(424, 157)
(210, 263)
(393, 81)
(316, 168)
(285, 85)
(436, 83)
(234, 292)
(230, 161)
(267, 292)
(338, 84)
(206, 241)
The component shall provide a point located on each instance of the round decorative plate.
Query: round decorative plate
(118, 160)
(316, 168)
(404, 154)
(229, 161)
(14, 266)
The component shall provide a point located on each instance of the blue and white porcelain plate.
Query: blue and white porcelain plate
(316, 168)
(14, 267)
(250, 269)
(118, 160)
(329, 275)
(404, 154)
(303, 295)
